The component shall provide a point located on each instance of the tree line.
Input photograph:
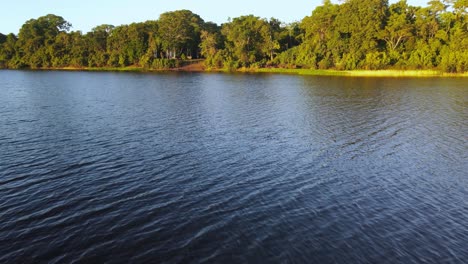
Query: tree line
(355, 34)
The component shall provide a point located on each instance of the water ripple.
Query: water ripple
(176, 168)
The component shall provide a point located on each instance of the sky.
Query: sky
(86, 14)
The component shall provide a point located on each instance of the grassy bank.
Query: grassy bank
(182, 65)
(197, 67)
(360, 73)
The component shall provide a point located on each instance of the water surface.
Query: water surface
(177, 168)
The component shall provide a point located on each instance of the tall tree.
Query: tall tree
(321, 39)
(290, 35)
(180, 32)
(399, 26)
(271, 35)
(154, 47)
(208, 44)
(454, 55)
(36, 35)
(133, 42)
(2, 38)
(248, 39)
(8, 52)
(97, 45)
(359, 22)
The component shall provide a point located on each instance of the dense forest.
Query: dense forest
(355, 34)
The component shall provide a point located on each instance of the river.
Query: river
(232, 168)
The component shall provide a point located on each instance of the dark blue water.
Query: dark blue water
(189, 168)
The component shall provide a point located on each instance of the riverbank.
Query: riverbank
(199, 67)
(359, 73)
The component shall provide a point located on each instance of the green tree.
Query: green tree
(208, 44)
(249, 39)
(212, 45)
(8, 51)
(117, 47)
(289, 35)
(59, 50)
(154, 46)
(180, 33)
(399, 27)
(97, 45)
(79, 53)
(36, 35)
(359, 23)
(322, 43)
(454, 55)
(2, 38)
(271, 35)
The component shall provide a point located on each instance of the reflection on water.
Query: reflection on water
(101, 167)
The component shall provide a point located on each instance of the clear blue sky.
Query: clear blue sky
(86, 14)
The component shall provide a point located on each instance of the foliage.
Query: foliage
(249, 39)
(180, 32)
(164, 64)
(354, 34)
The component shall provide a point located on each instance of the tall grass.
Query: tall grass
(362, 73)
(355, 73)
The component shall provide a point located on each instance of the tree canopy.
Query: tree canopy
(355, 34)
(180, 32)
(2, 38)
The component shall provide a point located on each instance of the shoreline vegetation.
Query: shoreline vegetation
(200, 68)
(350, 38)
(303, 72)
